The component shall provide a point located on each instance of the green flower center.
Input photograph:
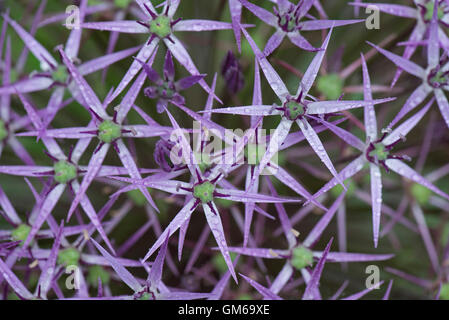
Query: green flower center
(96, 272)
(204, 191)
(421, 193)
(150, 293)
(330, 85)
(444, 293)
(301, 257)
(438, 79)
(64, 171)
(287, 22)
(254, 153)
(68, 257)
(109, 131)
(3, 131)
(161, 26)
(122, 3)
(429, 11)
(294, 110)
(379, 152)
(146, 296)
(21, 232)
(166, 90)
(60, 74)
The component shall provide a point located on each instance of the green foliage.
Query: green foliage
(219, 262)
(338, 189)
(421, 193)
(3, 131)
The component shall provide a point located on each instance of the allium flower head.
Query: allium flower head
(166, 89)
(294, 108)
(377, 152)
(434, 77)
(131, 184)
(287, 19)
(161, 27)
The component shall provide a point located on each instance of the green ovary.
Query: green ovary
(330, 85)
(291, 25)
(166, 91)
(109, 131)
(421, 193)
(122, 3)
(3, 131)
(68, 257)
(145, 296)
(438, 79)
(96, 272)
(204, 191)
(21, 232)
(380, 152)
(301, 258)
(444, 293)
(60, 74)
(64, 171)
(161, 26)
(294, 110)
(429, 11)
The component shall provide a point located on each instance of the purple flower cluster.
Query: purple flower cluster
(232, 196)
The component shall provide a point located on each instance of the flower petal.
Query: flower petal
(125, 26)
(312, 71)
(174, 225)
(404, 170)
(273, 78)
(402, 63)
(121, 271)
(265, 292)
(312, 285)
